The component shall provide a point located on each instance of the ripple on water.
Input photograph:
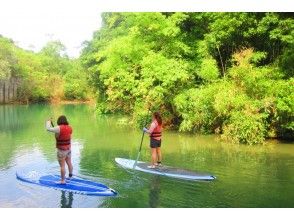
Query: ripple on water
(256, 176)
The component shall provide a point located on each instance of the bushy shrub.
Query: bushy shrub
(245, 127)
(284, 108)
(195, 106)
(142, 118)
(208, 70)
(75, 85)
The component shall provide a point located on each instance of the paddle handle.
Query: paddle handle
(51, 122)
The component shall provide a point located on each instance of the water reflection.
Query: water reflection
(154, 193)
(66, 199)
(265, 173)
(11, 118)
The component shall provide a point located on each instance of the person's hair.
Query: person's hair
(62, 120)
(158, 118)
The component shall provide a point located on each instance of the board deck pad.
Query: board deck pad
(74, 184)
(164, 170)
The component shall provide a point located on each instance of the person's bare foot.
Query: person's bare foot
(61, 182)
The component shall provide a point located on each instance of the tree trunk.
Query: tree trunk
(8, 90)
(221, 59)
(1, 92)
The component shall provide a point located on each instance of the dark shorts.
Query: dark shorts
(155, 143)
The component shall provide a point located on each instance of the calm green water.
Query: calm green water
(247, 176)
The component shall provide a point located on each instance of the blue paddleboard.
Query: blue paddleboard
(74, 184)
(164, 170)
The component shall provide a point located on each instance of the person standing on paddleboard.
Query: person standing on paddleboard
(155, 139)
(63, 144)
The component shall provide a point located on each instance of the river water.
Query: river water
(247, 176)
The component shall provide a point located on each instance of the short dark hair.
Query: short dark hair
(62, 120)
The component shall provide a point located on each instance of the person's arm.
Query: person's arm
(151, 129)
(55, 129)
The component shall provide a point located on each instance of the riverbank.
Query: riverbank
(53, 102)
(127, 120)
(75, 102)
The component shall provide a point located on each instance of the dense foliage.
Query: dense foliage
(45, 76)
(226, 73)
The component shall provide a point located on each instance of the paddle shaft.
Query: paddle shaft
(139, 150)
(135, 164)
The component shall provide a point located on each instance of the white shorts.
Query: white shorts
(63, 154)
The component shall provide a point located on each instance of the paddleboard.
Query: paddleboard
(74, 184)
(164, 170)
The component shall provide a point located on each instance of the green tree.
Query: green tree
(8, 61)
(227, 73)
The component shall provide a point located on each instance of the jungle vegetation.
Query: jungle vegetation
(224, 73)
(212, 73)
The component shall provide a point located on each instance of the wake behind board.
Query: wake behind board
(164, 170)
(74, 184)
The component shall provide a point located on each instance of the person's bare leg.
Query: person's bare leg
(69, 164)
(153, 156)
(62, 170)
(158, 152)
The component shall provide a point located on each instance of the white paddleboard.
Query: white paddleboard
(164, 170)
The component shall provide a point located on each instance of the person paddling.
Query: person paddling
(63, 144)
(155, 139)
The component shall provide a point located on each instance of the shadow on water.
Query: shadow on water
(66, 199)
(154, 192)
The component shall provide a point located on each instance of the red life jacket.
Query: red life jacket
(63, 140)
(157, 130)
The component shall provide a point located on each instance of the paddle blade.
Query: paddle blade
(135, 164)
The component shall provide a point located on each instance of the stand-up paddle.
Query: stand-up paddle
(73, 183)
(165, 170)
(140, 146)
(162, 170)
(139, 150)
